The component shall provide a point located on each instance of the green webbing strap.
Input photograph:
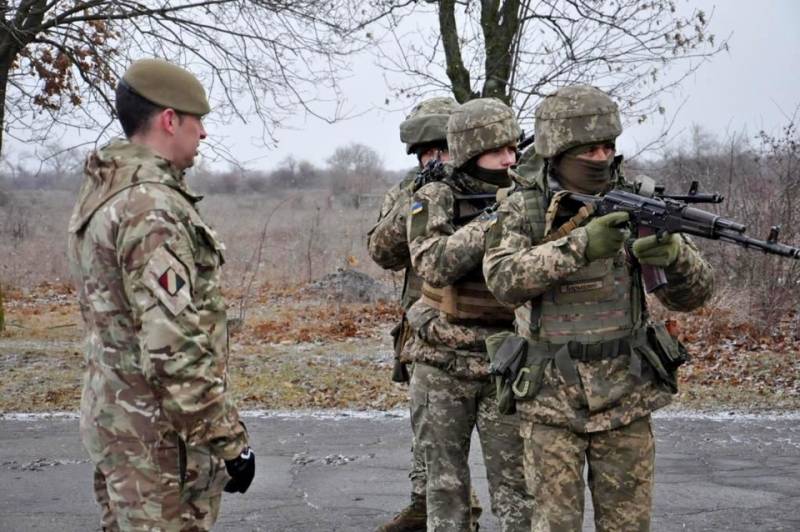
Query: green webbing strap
(564, 355)
(566, 366)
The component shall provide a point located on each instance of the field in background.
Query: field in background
(299, 349)
(298, 237)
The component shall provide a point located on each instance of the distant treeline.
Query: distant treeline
(351, 170)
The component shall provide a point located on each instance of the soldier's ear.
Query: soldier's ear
(168, 120)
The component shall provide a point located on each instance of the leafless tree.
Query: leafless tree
(262, 59)
(761, 184)
(520, 50)
(355, 169)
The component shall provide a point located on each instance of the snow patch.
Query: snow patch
(401, 413)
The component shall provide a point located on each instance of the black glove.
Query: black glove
(242, 469)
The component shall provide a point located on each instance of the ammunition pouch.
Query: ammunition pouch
(468, 301)
(516, 374)
(665, 354)
(400, 336)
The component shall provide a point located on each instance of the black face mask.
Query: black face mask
(498, 178)
(582, 175)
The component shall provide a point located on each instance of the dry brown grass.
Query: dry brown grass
(296, 351)
(298, 245)
(299, 351)
(293, 352)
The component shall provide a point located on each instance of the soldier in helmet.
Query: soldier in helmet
(156, 416)
(424, 132)
(594, 369)
(451, 393)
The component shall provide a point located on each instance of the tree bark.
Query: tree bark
(499, 25)
(2, 311)
(5, 68)
(21, 32)
(456, 72)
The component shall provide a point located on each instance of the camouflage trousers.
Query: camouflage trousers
(620, 474)
(418, 474)
(419, 479)
(139, 487)
(444, 411)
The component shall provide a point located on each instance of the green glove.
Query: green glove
(649, 250)
(606, 235)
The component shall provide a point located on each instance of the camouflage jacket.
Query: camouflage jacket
(517, 271)
(387, 242)
(442, 253)
(147, 272)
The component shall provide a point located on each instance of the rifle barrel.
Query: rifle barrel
(770, 248)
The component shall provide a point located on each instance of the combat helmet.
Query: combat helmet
(480, 125)
(574, 116)
(166, 85)
(427, 122)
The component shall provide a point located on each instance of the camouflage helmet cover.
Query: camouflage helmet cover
(480, 125)
(573, 116)
(167, 85)
(427, 122)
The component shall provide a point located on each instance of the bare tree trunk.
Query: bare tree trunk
(16, 35)
(5, 66)
(2, 311)
(8, 53)
(500, 25)
(456, 71)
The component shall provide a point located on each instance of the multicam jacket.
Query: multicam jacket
(560, 298)
(445, 251)
(147, 271)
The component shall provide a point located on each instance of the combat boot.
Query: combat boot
(412, 518)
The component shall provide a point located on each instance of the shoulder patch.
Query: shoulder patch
(168, 279)
(419, 219)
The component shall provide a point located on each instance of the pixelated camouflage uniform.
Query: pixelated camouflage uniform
(592, 405)
(156, 417)
(388, 247)
(450, 389)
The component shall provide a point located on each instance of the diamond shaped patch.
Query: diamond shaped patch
(171, 281)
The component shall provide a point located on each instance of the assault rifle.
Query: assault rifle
(523, 143)
(664, 214)
(432, 171)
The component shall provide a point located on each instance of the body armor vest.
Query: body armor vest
(598, 303)
(469, 299)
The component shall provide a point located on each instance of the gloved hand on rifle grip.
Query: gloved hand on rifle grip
(241, 469)
(606, 235)
(653, 251)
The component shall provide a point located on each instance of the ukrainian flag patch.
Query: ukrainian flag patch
(417, 207)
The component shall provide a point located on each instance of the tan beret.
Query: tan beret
(167, 85)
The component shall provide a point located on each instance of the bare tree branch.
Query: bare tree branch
(261, 59)
(521, 50)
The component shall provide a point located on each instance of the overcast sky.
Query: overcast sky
(756, 85)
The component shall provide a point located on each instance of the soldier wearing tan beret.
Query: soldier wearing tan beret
(156, 414)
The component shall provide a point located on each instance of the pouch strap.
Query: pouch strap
(565, 354)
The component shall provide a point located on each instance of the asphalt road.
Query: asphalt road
(348, 473)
